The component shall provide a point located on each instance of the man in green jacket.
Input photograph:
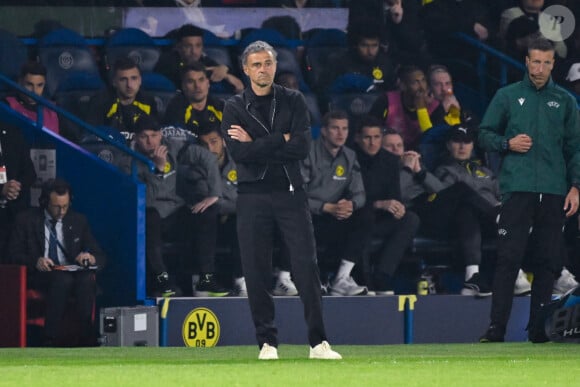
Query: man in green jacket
(534, 123)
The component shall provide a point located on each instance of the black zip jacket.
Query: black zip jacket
(268, 149)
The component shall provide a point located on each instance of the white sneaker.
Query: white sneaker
(522, 287)
(345, 286)
(566, 282)
(240, 288)
(268, 352)
(284, 287)
(323, 351)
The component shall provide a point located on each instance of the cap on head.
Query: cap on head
(461, 133)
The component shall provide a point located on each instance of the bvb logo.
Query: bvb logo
(233, 176)
(66, 60)
(339, 171)
(201, 328)
(377, 73)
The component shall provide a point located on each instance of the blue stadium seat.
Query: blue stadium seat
(324, 46)
(64, 51)
(160, 88)
(135, 44)
(11, 47)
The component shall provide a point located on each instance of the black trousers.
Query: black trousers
(59, 287)
(198, 232)
(259, 215)
(520, 214)
(342, 239)
(228, 236)
(459, 212)
(397, 235)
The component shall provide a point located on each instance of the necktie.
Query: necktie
(52, 243)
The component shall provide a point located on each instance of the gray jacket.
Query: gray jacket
(328, 179)
(229, 173)
(194, 174)
(416, 184)
(479, 178)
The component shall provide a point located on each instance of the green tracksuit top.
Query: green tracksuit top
(550, 117)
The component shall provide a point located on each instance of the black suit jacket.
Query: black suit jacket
(16, 158)
(28, 239)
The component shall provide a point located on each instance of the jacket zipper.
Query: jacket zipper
(290, 187)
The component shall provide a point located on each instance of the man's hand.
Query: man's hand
(481, 32)
(520, 143)
(238, 133)
(203, 205)
(44, 264)
(218, 73)
(412, 160)
(159, 157)
(11, 190)
(395, 207)
(84, 256)
(571, 202)
(421, 99)
(340, 210)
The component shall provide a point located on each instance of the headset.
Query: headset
(58, 185)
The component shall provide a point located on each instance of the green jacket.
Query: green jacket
(550, 117)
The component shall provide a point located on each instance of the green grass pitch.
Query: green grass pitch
(509, 364)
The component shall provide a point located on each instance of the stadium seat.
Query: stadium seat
(160, 88)
(315, 116)
(11, 47)
(132, 43)
(321, 49)
(63, 51)
(103, 149)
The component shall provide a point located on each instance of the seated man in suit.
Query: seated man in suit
(48, 238)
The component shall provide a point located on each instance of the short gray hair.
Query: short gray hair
(257, 46)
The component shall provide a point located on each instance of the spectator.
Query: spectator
(472, 216)
(443, 18)
(399, 24)
(392, 222)
(365, 57)
(175, 208)
(16, 176)
(195, 108)
(531, 10)
(210, 137)
(122, 105)
(188, 49)
(409, 110)
(52, 236)
(32, 77)
(336, 197)
(441, 88)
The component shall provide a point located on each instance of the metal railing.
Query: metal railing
(505, 62)
(42, 102)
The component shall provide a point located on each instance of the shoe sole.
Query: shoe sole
(280, 294)
(210, 294)
(336, 293)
